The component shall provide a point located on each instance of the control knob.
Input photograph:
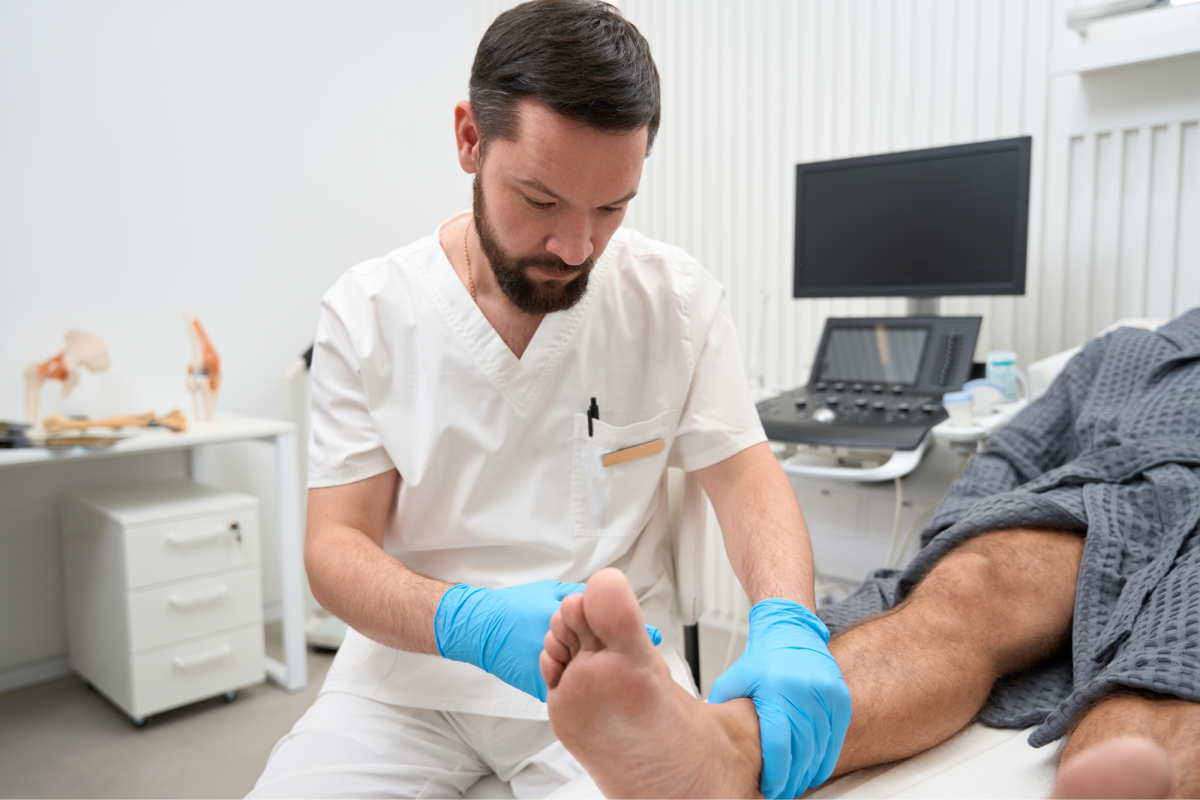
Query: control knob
(824, 415)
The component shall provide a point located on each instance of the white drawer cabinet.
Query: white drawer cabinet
(164, 592)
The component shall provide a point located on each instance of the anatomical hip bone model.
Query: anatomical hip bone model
(204, 372)
(82, 349)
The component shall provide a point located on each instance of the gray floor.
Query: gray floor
(59, 739)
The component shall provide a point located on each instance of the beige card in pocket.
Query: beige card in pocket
(631, 453)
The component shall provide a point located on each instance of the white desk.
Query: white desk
(292, 673)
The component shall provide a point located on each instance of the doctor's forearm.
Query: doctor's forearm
(373, 592)
(765, 536)
(770, 551)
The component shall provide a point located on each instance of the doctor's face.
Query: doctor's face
(547, 204)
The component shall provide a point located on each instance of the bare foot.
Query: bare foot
(613, 704)
(1130, 766)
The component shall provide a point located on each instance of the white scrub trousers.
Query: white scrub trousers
(352, 746)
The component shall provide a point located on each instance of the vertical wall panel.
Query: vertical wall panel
(1080, 224)
(1106, 233)
(922, 81)
(900, 90)
(1040, 18)
(1163, 215)
(1187, 265)
(1050, 284)
(1134, 210)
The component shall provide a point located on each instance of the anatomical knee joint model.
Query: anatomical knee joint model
(204, 371)
(81, 350)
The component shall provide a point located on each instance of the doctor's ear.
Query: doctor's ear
(467, 137)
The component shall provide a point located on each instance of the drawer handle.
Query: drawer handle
(187, 662)
(199, 597)
(183, 539)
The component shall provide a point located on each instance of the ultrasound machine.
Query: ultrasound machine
(923, 224)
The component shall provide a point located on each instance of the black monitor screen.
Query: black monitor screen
(875, 354)
(947, 221)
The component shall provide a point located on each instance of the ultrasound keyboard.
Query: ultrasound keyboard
(851, 415)
(878, 383)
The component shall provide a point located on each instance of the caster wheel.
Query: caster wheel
(140, 722)
(229, 697)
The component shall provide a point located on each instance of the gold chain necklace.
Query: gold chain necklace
(467, 253)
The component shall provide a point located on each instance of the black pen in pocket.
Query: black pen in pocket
(593, 413)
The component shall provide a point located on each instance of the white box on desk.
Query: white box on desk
(164, 592)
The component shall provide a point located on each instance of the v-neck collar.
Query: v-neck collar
(519, 380)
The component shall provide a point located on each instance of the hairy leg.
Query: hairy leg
(919, 673)
(1133, 744)
(613, 704)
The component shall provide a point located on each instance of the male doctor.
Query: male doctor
(494, 407)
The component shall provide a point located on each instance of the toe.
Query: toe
(613, 612)
(1122, 767)
(555, 648)
(564, 634)
(571, 613)
(552, 670)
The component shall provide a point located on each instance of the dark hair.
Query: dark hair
(579, 58)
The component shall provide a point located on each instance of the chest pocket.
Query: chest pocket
(614, 500)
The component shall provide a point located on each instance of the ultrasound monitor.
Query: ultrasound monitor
(875, 354)
(925, 223)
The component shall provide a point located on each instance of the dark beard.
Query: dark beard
(523, 292)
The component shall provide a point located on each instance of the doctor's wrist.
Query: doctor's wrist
(448, 619)
(778, 610)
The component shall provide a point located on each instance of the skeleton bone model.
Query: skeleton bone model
(82, 349)
(204, 372)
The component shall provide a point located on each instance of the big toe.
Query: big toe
(613, 612)
(1124, 767)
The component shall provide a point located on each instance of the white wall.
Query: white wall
(225, 158)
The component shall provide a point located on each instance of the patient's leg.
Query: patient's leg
(1133, 744)
(919, 673)
(613, 704)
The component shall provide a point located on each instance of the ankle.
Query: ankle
(739, 768)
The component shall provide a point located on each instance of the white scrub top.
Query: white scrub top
(501, 481)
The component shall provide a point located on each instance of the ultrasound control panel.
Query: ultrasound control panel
(876, 383)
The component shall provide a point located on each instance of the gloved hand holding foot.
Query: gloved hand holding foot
(501, 630)
(803, 703)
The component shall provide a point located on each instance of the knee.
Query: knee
(1022, 571)
(964, 583)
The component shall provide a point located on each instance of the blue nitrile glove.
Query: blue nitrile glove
(803, 703)
(501, 630)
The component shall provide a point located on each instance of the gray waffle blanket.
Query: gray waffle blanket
(1112, 451)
